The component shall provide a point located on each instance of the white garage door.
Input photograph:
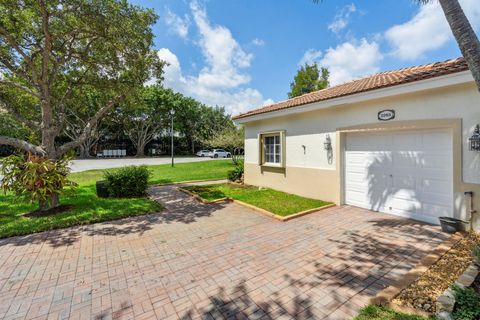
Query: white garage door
(403, 173)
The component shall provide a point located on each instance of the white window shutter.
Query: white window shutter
(260, 150)
(282, 144)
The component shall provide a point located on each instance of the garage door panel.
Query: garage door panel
(404, 173)
(437, 140)
(407, 204)
(435, 210)
(405, 141)
(434, 161)
(404, 182)
(404, 159)
(435, 186)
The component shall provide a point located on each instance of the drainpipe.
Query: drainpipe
(472, 211)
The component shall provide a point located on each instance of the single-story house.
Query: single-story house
(399, 142)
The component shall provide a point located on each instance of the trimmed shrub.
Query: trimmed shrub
(237, 173)
(467, 306)
(127, 182)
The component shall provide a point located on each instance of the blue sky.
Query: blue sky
(243, 54)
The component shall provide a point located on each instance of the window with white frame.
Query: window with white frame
(272, 145)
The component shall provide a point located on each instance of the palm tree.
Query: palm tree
(463, 32)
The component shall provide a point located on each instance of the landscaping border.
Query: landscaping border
(275, 216)
(255, 208)
(188, 181)
(446, 302)
(196, 196)
(384, 297)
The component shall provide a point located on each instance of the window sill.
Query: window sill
(272, 165)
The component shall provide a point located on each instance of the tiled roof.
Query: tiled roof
(376, 81)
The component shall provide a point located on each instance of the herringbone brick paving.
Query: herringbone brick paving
(223, 261)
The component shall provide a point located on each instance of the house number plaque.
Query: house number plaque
(386, 115)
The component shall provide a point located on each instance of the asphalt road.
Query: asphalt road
(90, 164)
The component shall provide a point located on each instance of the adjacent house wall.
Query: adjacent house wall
(311, 171)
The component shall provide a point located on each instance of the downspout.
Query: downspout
(471, 211)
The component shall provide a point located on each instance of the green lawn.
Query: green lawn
(164, 173)
(382, 313)
(277, 202)
(90, 209)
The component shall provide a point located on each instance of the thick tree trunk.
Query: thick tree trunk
(466, 38)
(83, 152)
(140, 150)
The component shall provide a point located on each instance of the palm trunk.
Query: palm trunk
(466, 38)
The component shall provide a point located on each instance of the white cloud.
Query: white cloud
(223, 79)
(351, 60)
(258, 42)
(310, 56)
(428, 30)
(223, 54)
(268, 102)
(342, 18)
(177, 24)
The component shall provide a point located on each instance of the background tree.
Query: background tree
(308, 79)
(144, 116)
(49, 49)
(231, 139)
(86, 104)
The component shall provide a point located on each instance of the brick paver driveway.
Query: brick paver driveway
(214, 262)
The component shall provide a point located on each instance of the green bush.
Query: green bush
(467, 305)
(127, 182)
(237, 173)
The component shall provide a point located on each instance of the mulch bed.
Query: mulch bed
(423, 293)
(49, 212)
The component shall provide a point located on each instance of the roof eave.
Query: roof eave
(411, 87)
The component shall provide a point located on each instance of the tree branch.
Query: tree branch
(17, 115)
(21, 144)
(17, 48)
(19, 86)
(90, 125)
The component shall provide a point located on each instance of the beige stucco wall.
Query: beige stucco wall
(310, 172)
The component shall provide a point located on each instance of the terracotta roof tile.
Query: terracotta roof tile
(373, 82)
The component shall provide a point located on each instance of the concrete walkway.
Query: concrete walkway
(196, 261)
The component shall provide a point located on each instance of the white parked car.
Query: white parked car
(219, 153)
(203, 153)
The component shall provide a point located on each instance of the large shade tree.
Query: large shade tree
(51, 50)
(144, 116)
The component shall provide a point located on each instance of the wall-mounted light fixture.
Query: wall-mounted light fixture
(474, 140)
(327, 145)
